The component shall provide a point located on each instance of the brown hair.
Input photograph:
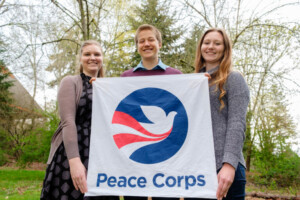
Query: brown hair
(219, 77)
(87, 43)
(148, 27)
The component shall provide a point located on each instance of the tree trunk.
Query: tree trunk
(271, 196)
(248, 158)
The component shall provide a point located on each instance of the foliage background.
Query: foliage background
(40, 40)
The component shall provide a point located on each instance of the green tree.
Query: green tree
(6, 110)
(82, 23)
(258, 54)
(118, 45)
(5, 95)
(189, 46)
(103, 21)
(119, 57)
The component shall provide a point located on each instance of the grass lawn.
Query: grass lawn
(20, 184)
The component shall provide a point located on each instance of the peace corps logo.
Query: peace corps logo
(150, 125)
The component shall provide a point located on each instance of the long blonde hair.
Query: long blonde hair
(220, 76)
(87, 43)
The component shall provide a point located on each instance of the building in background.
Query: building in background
(23, 103)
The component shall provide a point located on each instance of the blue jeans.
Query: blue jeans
(237, 189)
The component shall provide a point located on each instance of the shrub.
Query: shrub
(281, 169)
(3, 158)
(38, 142)
(3, 148)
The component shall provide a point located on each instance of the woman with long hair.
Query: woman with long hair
(229, 98)
(69, 154)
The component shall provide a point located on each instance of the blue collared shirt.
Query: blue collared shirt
(159, 66)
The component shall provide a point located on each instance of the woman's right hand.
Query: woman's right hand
(207, 75)
(78, 174)
(225, 179)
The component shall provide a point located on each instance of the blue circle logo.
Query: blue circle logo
(150, 124)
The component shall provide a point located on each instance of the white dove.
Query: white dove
(161, 123)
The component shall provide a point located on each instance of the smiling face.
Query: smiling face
(147, 45)
(212, 49)
(91, 60)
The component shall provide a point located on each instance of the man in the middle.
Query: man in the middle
(148, 41)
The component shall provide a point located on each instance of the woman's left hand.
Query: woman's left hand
(78, 174)
(225, 179)
(92, 79)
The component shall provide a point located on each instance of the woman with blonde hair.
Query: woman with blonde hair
(229, 98)
(69, 154)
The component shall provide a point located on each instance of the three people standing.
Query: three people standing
(229, 97)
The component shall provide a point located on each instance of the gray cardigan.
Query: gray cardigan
(229, 124)
(68, 97)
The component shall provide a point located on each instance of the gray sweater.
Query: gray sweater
(229, 124)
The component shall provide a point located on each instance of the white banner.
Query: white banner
(152, 136)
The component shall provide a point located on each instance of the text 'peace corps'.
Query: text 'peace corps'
(159, 180)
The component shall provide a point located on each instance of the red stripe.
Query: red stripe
(127, 120)
(123, 139)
